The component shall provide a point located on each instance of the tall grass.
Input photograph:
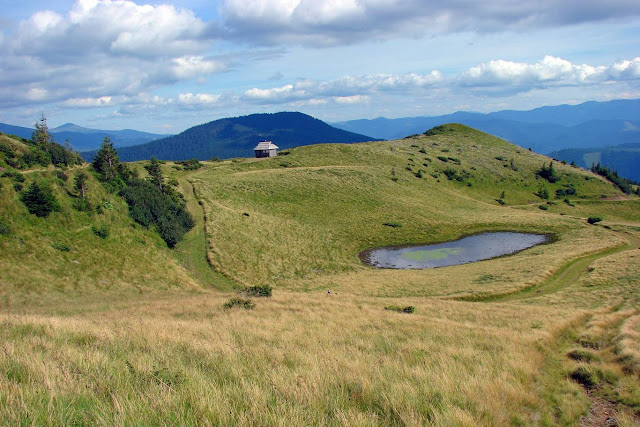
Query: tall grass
(133, 334)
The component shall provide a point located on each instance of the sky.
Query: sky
(164, 66)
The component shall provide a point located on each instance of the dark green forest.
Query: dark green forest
(624, 159)
(236, 137)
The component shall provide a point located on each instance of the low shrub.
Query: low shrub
(40, 200)
(544, 207)
(5, 229)
(82, 205)
(392, 224)
(191, 164)
(443, 159)
(61, 175)
(258, 291)
(408, 309)
(62, 247)
(583, 356)
(101, 231)
(593, 219)
(247, 304)
(583, 375)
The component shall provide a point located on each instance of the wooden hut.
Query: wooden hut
(266, 149)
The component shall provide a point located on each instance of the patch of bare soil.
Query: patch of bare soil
(602, 414)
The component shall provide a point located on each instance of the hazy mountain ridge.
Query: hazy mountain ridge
(624, 159)
(543, 129)
(84, 139)
(237, 136)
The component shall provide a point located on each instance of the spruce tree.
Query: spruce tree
(39, 200)
(80, 184)
(106, 161)
(155, 172)
(41, 137)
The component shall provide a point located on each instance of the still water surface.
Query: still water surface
(468, 249)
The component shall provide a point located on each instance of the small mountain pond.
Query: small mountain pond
(468, 249)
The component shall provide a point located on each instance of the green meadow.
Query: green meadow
(124, 331)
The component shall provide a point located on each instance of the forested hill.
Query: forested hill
(236, 137)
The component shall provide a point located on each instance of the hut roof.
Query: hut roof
(266, 145)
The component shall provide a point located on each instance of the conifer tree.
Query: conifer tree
(40, 200)
(41, 137)
(80, 184)
(106, 161)
(155, 172)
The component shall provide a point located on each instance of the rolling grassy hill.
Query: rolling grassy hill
(508, 341)
(590, 125)
(237, 136)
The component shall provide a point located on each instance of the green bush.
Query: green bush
(258, 291)
(247, 304)
(443, 159)
(61, 175)
(16, 176)
(583, 375)
(408, 309)
(101, 231)
(392, 224)
(543, 193)
(82, 205)
(62, 247)
(548, 173)
(149, 206)
(583, 356)
(39, 200)
(191, 164)
(5, 229)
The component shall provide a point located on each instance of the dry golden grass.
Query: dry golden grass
(295, 359)
(139, 336)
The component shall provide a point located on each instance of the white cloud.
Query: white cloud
(188, 67)
(625, 69)
(333, 22)
(549, 72)
(100, 49)
(277, 94)
(103, 101)
(198, 99)
(353, 99)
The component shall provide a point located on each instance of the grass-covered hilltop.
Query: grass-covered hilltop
(104, 324)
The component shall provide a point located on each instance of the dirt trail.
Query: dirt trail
(192, 250)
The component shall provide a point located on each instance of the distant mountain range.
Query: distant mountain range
(237, 136)
(545, 129)
(84, 139)
(624, 159)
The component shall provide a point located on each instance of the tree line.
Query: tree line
(153, 202)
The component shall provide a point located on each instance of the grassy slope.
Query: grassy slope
(303, 357)
(129, 263)
(308, 221)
